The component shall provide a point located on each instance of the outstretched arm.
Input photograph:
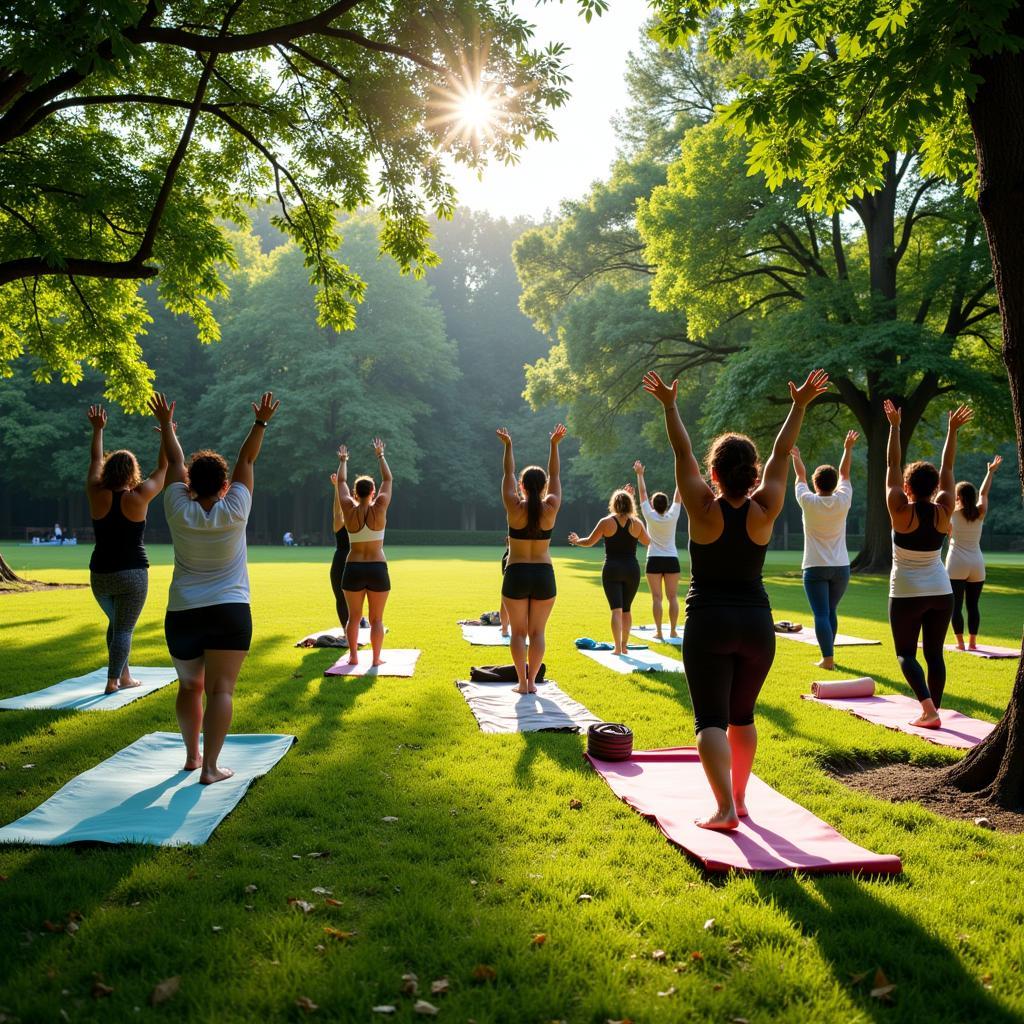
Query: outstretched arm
(844, 464)
(386, 479)
(154, 483)
(986, 484)
(170, 446)
(554, 497)
(509, 491)
(598, 532)
(341, 490)
(250, 450)
(895, 499)
(947, 481)
(798, 466)
(337, 513)
(641, 486)
(98, 419)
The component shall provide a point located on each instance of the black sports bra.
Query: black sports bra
(524, 533)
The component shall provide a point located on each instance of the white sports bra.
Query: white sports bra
(366, 535)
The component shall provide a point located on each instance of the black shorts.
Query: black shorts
(366, 576)
(658, 565)
(621, 580)
(525, 581)
(216, 627)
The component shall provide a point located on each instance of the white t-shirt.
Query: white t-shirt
(662, 528)
(825, 524)
(209, 548)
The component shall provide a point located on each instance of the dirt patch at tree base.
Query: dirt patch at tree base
(31, 585)
(904, 782)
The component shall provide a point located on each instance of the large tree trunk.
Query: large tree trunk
(875, 555)
(995, 768)
(8, 576)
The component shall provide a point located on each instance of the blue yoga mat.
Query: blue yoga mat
(85, 693)
(142, 795)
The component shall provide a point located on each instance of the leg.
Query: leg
(905, 615)
(354, 599)
(617, 631)
(816, 588)
(716, 760)
(959, 589)
(519, 622)
(672, 590)
(974, 612)
(376, 599)
(189, 706)
(611, 581)
(629, 589)
(503, 615)
(837, 585)
(337, 571)
(934, 626)
(222, 668)
(106, 603)
(537, 619)
(654, 580)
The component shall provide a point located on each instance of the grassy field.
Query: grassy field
(486, 852)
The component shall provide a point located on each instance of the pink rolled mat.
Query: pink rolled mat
(987, 651)
(830, 689)
(669, 787)
(895, 711)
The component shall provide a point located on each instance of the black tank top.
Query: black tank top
(621, 545)
(118, 541)
(923, 537)
(341, 541)
(728, 570)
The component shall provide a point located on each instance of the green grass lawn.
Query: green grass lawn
(486, 852)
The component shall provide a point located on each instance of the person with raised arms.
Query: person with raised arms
(208, 624)
(341, 548)
(119, 568)
(366, 578)
(621, 530)
(826, 562)
(920, 594)
(528, 587)
(662, 569)
(729, 635)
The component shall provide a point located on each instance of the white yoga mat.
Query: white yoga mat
(634, 661)
(334, 633)
(396, 663)
(647, 633)
(85, 693)
(807, 636)
(484, 636)
(142, 795)
(498, 708)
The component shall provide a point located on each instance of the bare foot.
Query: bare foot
(925, 722)
(674, 635)
(127, 684)
(972, 647)
(378, 661)
(720, 821)
(828, 664)
(353, 659)
(192, 763)
(533, 688)
(741, 806)
(516, 689)
(112, 687)
(217, 775)
(659, 637)
(960, 645)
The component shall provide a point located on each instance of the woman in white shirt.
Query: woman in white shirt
(662, 567)
(826, 564)
(208, 624)
(964, 561)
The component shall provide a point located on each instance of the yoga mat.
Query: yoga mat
(895, 711)
(85, 693)
(807, 636)
(634, 661)
(498, 708)
(396, 663)
(142, 795)
(669, 787)
(484, 636)
(987, 651)
(837, 689)
(647, 633)
(334, 633)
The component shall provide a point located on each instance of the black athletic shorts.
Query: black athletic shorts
(366, 576)
(621, 580)
(216, 627)
(529, 581)
(658, 565)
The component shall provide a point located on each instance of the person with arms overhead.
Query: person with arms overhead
(662, 519)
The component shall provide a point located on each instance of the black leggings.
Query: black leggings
(621, 580)
(337, 572)
(972, 591)
(727, 654)
(927, 617)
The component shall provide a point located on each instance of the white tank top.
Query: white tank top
(964, 534)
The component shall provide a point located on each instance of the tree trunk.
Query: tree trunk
(875, 555)
(995, 768)
(7, 575)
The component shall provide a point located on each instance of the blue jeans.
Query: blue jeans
(825, 586)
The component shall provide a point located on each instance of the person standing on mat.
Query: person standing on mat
(662, 520)
(208, 624)
(729, 636)
(826, 563)
(366, 578)
(506, 625)
(621, 531)
(341, 549)
(965, 563)
(920, 594)
(528, 588)
(119, 569)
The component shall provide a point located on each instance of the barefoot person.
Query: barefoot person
(341, 549)
(826, 564)
(920, 595)
(662, 568)
(119, 569)
(528, 589)
(208, 622)
(366, 577)
(729, 636)
(621, 531)
(965, 563)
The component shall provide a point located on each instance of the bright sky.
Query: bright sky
(550, 171)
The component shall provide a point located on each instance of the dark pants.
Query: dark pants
(972, 592)
(927, 617)
(825, 586)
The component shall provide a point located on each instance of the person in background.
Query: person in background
(341, 546)
(289, 539)
(58, 533)
(662, 568)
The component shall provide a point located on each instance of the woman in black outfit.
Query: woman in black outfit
(729, 635)
(341, 550)
(621, 531)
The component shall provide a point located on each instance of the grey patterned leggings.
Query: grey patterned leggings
(121, 595)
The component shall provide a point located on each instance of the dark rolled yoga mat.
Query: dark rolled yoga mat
(610, 741)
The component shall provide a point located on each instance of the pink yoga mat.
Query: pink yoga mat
(807, 636)
(668, 786)
(831, 689)
(987, 651)
(895, 711)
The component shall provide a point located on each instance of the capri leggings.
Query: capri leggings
(972, 592)
(727, 654)
(927, 617)
(122, 596)
(621, 580)
(337, 571)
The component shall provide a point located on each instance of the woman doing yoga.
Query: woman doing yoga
(119, 569)
(920, 595)
(662, 569)
(965, 563)
(621, 531)
(528, 588)
(208, 624)
(366, 576)
(729, 636)
(341, 549)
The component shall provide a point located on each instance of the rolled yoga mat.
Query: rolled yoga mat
(498, 708)
(670, 788)
(634, 661)
(397, 662)
(833, 689)
(85, 693)
(142, 795)
(807, 636)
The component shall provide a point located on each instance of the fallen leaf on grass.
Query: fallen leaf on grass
(986, 980)
(51, 926)
(984, 823)
(670, 991)
(658, 955)
(337, 934)
(321, 891)
(882, 989)
(389, 818)
(439, 987)
(100, 990)
(482, 972)
(410, 984)
(71, 927)
(250, 888)
(383, 1009)
(575, 804)
(217, 928)
(625, 1020)
(306, 1004)
(302, 905)
(739, 1020)
(696, 955)
(584, 897)
(856, 979)
(332, 902)
(318, 854)
(422, 1007)
(538, 939)
(709, 924)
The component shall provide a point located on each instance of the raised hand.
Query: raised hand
(504, 435)
(558, 434)
(794, 452)
(852, 437)
(342, 453)
(814, 387)
(267, 406)
(161, 410)
(892, 413)
(959, 416)
(334, 479)
(628, 488)
(638, 468)
(996, 462)
(97, 416)
(378, 447)
(574, 539)
(654, 385)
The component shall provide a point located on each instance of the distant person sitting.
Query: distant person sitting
(289, 540)
(58, 534)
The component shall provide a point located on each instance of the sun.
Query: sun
(468, 112)
(476, 111)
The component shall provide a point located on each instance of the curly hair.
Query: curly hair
(621, 504)
(735, 462)
(922, 478)
(207, 473)
(825, 479)
(121, 471)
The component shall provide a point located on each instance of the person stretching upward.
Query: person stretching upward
(729, 636)
(826, 563)
(341, 549)
(208, 624)
(920, 595)
(528, 587)
(366, 575)
(662, 519)
(964, 561)
(119, 569)
(621, 531)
